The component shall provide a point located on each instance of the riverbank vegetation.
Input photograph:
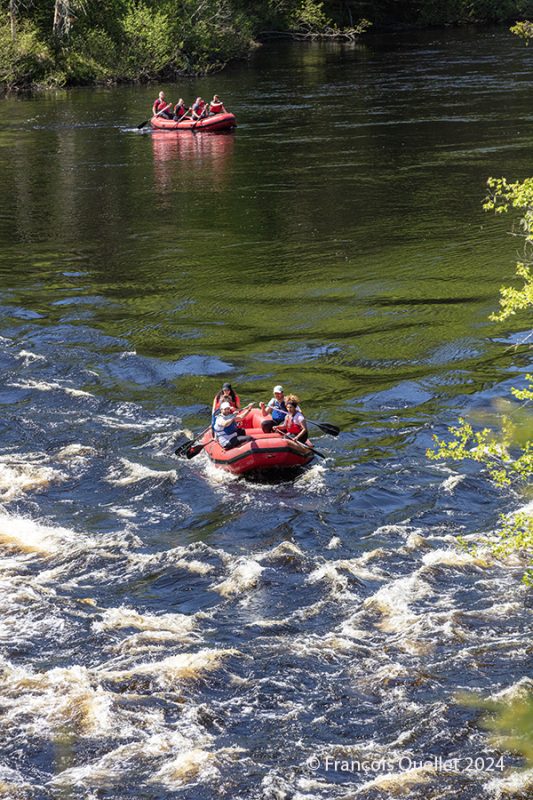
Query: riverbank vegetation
(506, 453)
(46, 43)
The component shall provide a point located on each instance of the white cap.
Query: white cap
(278, 388)
(225, 405)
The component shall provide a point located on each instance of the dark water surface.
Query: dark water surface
(167, 629)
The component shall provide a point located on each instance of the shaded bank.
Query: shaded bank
(47, 43)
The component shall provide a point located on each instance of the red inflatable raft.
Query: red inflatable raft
(216, 122)
(266, 452)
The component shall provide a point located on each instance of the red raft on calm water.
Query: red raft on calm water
(215, 123)
(267, 452)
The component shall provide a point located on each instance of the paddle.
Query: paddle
(195, 449)
(324, 426)
(156, 115)
(202, 116)
(190, 449)
(189, 444)
(302, 444)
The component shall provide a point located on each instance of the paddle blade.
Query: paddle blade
(146, 121)
(194, 450)
(181, 450)
(327, 428)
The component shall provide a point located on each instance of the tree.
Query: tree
(65, 14)
(509, 461)
(524, 30)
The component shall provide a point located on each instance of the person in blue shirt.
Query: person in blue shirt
(276, 408)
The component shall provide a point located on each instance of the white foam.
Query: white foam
(518, 784)
(19, 477)
(29, 358)
(76, 452)
(522, 689)
(313, 479)
(30, 536)
(452, 558)
(393, 602)
(449, 484)
(114, 766)
(244, 576)
(45, 386)
(178, 625)
(182, 667)
(129, 472)
(399, 782)
(43, 702)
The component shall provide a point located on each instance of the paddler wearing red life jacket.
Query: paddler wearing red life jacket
(160, 104)
(226, 394)
(294, 424)
(199, 108)
(216, 105)
(180, 109)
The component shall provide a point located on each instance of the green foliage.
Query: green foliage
(91, 58)
(525, 394)
(25, 61)
(502, 197)
(512, 726)
(510, 722)
(513, 300)
(524, 30)
(308, 15)
(79, 41)
(514, 537)
(212, 33)
(507, 461)
(489, 449)
(149, 48)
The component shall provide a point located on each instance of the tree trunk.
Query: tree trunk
(13, 18)
(62, 17)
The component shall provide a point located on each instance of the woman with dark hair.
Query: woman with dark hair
(294, 424)
(226, 394)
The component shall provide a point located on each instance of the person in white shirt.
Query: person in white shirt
(294, 424)
(226, 428)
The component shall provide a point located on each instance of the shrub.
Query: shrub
(25, 62)
(91, 58)
(149, 46)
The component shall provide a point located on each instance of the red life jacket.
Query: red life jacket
(179, 111)
(159, 105)
(293, 427)
(199, 107)
(235, 403)
(216, 108)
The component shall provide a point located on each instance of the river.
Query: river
(167, 629)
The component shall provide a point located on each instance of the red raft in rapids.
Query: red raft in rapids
(267, 452)
(214, 123)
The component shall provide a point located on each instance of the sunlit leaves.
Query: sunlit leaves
(524, 30)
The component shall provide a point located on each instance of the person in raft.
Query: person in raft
(226, 428)
(294, 424)
(226, 393)
(161, 105)
(180, 109)
(216, 106)
(276, 406)
(199, 108)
